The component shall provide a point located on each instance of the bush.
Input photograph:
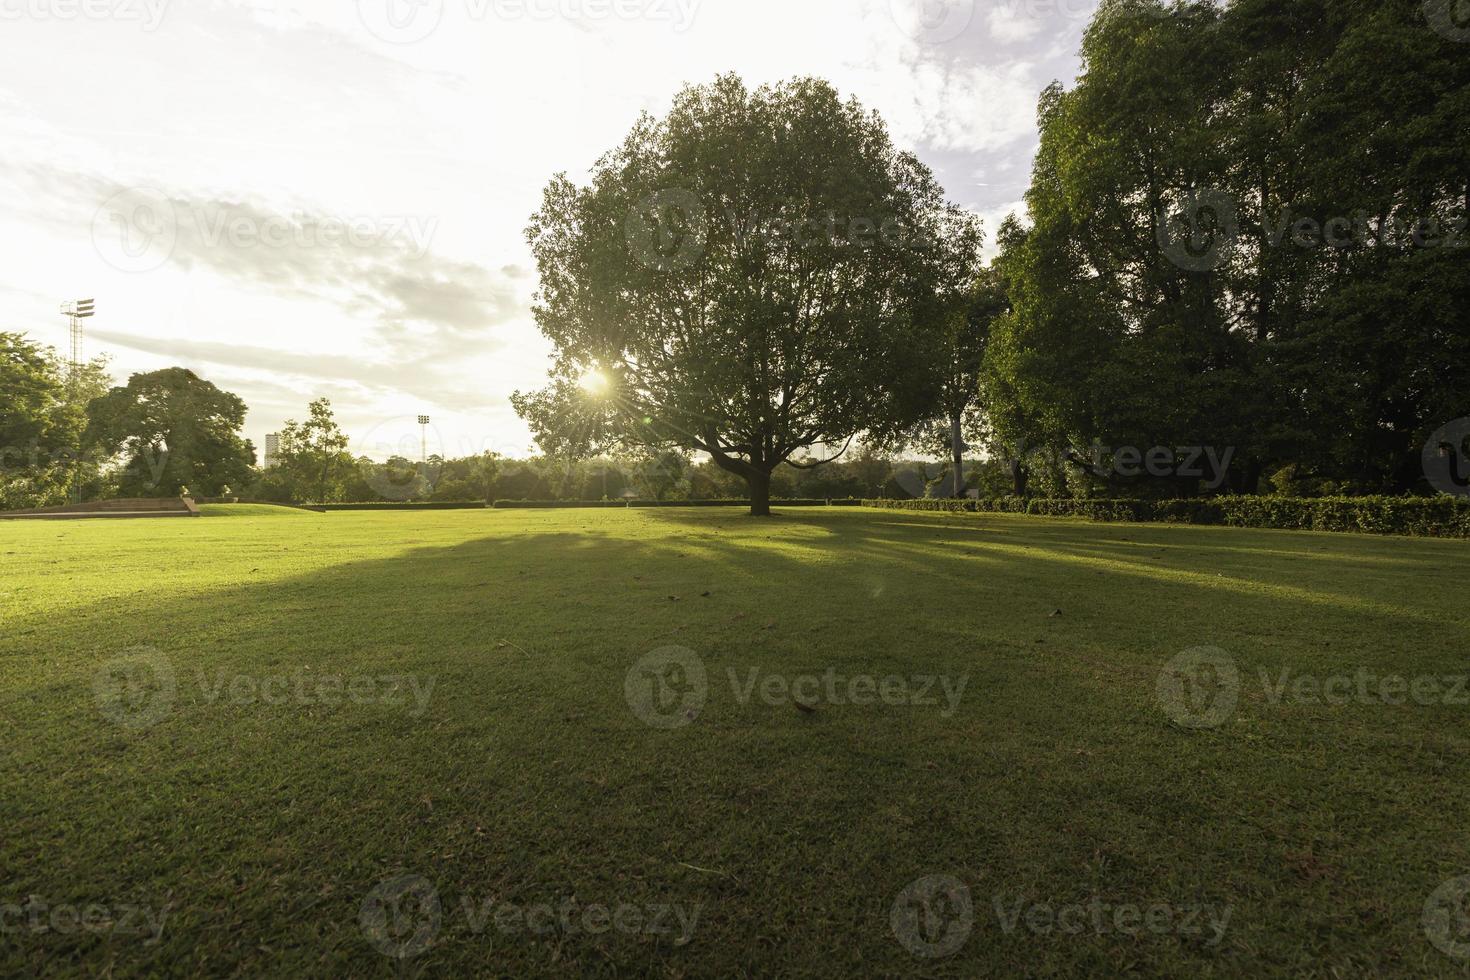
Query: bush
(395, 505)
(560, 504)
(1440, 517)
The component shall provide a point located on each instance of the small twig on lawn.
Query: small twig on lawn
(708, 871)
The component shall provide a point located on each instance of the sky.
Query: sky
(327, 198)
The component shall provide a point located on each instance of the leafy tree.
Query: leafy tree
(172, 430)
(965, 316)
(33, 422)
(1178, 286)
(313, 458)
(42, 421)
(742, 278)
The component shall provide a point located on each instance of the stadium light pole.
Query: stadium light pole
(75, 312)
(424, 439)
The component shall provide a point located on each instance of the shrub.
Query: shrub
(560, 504)
(396, 505)
(1447, 517)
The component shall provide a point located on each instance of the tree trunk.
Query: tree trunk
(760, 493)
(957, 447)
(1019, 476)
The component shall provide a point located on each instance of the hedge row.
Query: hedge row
(394, 505)
(1438, 517)
(564, 504)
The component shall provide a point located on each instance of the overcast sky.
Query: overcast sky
(298, 198)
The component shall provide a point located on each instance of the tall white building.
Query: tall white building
(272, 449)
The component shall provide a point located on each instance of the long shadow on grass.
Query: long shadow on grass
(526, 777)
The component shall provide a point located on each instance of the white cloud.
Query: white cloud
(289, 113)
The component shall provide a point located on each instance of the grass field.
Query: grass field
(231, 744)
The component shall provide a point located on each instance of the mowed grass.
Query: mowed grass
(526, 779)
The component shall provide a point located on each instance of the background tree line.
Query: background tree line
(1246, 234)
(1246, 242)
(167, 432)
(1247, 230)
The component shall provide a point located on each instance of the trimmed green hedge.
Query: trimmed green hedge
(1433, 517)
(566, 504)
(395, 505)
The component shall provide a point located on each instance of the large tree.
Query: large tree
(964, 317)
(172, 430)
(742, 278)
(42, 418)
(1223, 250)
(313, 461)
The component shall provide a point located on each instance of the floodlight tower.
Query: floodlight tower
(77, 311)
(424, 439)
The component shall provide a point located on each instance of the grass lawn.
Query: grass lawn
(230, 743)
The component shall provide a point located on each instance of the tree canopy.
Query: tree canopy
(42, 418)
(1247, 231)
(749, 277)
(172, 430)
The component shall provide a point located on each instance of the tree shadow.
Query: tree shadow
(529, 776)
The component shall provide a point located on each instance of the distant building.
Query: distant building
(272, 449)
